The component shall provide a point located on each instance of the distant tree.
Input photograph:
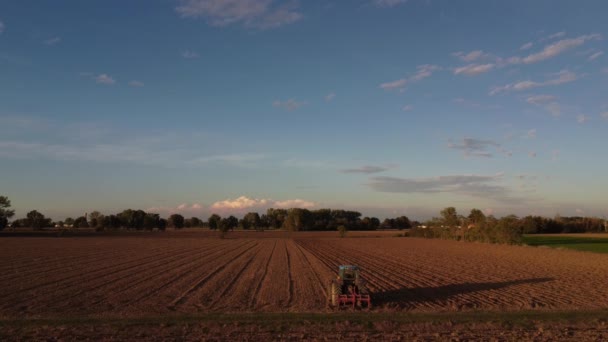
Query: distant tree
(477, 217)
(132, 218)
(176, 221)
(402, 222)
(81, 222)
(298, 219)
(36, 220)
(151, 221)
(226, 224)
(69, 222)
(276, 217)
(95, 219)
(162, 224)
(375, 223)
(233, 222)
(450, 217)
(214, 221)
(5, 213)
(252, 220)
(194, 222)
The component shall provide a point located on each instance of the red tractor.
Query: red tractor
(348, 289)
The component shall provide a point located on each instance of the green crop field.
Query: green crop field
(588, 244)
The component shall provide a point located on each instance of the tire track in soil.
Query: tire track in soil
(273, 294)
(182, 298)
(76, 267)
(17, 296)
(322, 283)
(289, 278)
(491, 297)
(122, 284)
(308, 295)
(35, 266)
(186, 275)
(233, 296)
(254, 300)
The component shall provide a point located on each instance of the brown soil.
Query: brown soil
(195, 272)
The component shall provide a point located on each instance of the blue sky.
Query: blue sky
(388, 107)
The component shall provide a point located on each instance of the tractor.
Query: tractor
(348, 289)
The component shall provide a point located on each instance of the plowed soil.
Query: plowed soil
(196, 272)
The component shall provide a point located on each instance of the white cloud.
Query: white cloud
(289, 105)
(195, 209)
(422, 72)
(556, 35)
(388, 3)
(582, 118)
(295, 203)
(243, 204)
(135, 83)
(1, 27)
(259, 14)
(563, 76)
(329, 97)
(471, 56)
(473, 69)
(595, 55)
(407, 108)
(104, 79)
(540, 99)
(558, 47)
(398, 84)
(526, 46)
(187, 54)
(52, 41)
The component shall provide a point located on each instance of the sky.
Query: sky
(388, 107)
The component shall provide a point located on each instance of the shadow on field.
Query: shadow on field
(419, 295)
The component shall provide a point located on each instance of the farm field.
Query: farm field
(195, 273)
(597, 243)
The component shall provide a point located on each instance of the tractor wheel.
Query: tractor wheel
(334, 293)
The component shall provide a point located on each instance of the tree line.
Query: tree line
(508, 229)
(476, 226)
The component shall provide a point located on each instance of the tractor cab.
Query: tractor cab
(348, 273)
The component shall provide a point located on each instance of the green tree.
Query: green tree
(450, 217)
(5, 213)
(36, 220)
(81, 222)
(297, 219)
(477, 217)
(176, 221)
(252, 220)
(95, 219)
(214, 221)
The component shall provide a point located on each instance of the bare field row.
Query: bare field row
(276, 272)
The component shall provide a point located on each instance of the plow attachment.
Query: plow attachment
(355, 300)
